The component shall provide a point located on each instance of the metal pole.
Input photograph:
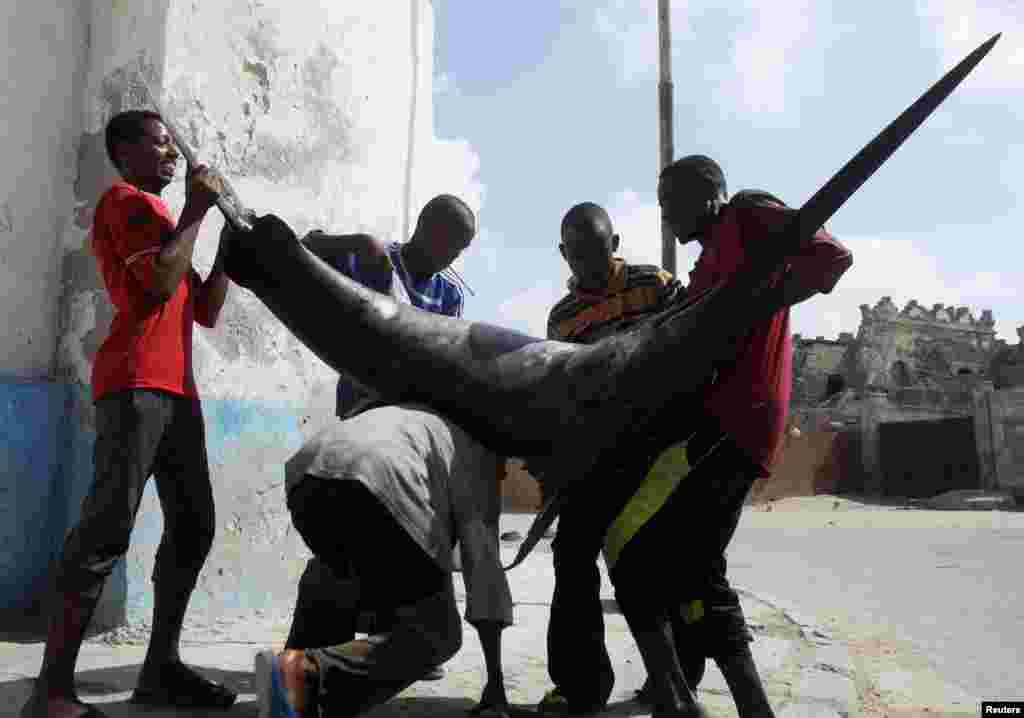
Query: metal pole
(668, 241)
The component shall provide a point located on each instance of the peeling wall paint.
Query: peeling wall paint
(43, 46)
(317, 112)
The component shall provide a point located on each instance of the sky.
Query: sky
(543, 104)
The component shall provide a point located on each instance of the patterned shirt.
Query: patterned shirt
(634, 291)
(437, 294)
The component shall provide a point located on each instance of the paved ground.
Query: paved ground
(951, 594)
(898, 614)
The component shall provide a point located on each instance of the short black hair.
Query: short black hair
(446, 208)
(588, 218)
(127, 127)
(699, 166)
(755, 198)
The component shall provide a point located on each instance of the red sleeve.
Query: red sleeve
(822, 259)
(139, 226)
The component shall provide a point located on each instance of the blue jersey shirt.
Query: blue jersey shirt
(437, 294)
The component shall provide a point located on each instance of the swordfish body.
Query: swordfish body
(564, 406)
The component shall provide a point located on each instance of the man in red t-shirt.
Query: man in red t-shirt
(736, 434)
(148, 421)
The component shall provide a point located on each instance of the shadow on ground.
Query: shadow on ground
(109, 689)
(441, 707)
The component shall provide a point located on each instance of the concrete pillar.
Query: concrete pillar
(1008, 439)
(984, 434)
(42, 49)
(872, 409)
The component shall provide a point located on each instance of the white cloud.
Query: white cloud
(631, 28)
(487, 247)
(450, 167)
(527, 311)
(962, 25)
(770, 39)
(637, 220)
(902, 269)
(768, 50)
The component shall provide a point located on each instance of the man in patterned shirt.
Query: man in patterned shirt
(606, 296)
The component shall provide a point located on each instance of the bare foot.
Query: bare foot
(296, 668)
(59, 707)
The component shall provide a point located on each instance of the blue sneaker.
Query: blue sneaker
(273, 698)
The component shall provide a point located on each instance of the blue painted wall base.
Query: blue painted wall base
(46, 443)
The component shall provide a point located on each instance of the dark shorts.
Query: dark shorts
(139, 433)
(358, 540)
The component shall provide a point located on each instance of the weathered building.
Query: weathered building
(819, 367)
(318, 112)
(894, 350)
(1006, 370)
(924, 395)
(917, 346)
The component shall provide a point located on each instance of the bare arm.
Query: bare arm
(174, 260)
(332, 247)
(213, 291)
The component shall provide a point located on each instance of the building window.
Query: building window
(834, 384)
(900, 375)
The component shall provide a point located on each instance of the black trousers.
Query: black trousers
(680, 559)
(578, 660)
(363, 560)
(683, 545)
(140, 432)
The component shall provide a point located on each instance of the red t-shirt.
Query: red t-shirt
(150, 342)
(751, 397)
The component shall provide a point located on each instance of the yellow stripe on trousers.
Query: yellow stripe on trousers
(671, 467)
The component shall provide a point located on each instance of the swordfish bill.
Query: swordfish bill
(564, 407)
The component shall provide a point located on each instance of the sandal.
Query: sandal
(31, 710)
(181, 687)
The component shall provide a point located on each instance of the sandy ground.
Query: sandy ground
(824, 654)
(824, 510)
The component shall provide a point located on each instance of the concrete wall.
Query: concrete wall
(999, 424)
(878, 408)
(319, 112)
(931, 344)
(42, 50)
(813, 361)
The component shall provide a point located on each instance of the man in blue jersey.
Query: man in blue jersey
(400, 481)
(422, 267)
